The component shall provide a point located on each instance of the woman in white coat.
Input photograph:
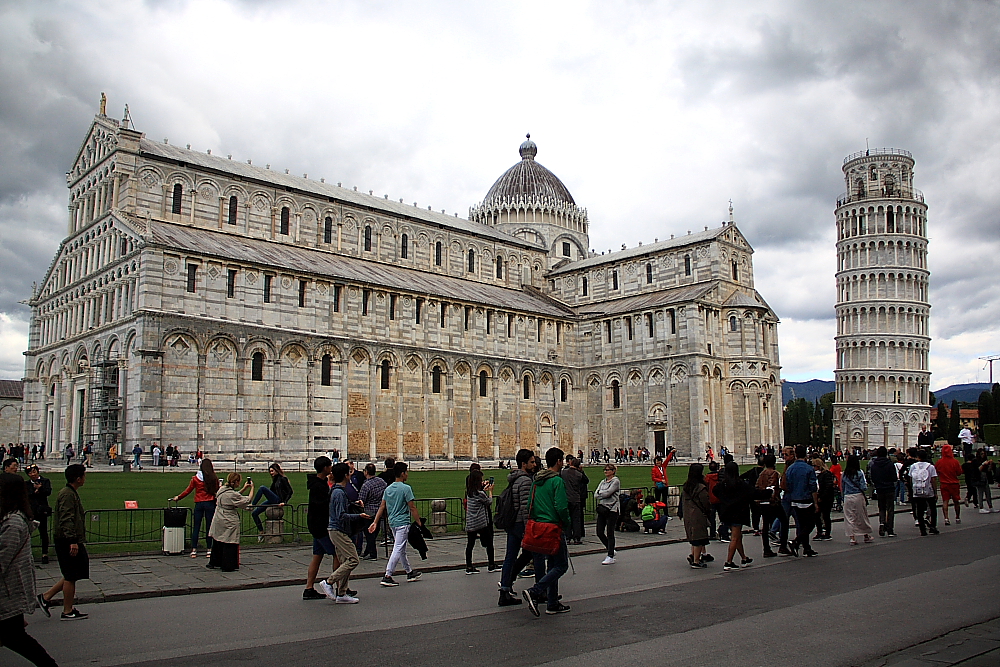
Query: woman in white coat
(226, 531)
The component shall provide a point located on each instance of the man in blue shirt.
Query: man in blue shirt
(802, 491)
(400, 507)
(339, 527)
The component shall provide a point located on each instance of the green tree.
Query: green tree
(941, 431)
(987, 409)
(996, 399)
(954, 424)
(796, 422)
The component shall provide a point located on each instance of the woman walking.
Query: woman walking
(205, 484)
(770, 480)
(852, 488)
(696, 510)
(606, 495)
(17, 572)
(225, 529)
(735, 496)
(478, 524)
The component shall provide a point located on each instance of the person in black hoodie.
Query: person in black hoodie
(827, 495)
(883, 475)
(39, 489)
(734, 497)
(318, 487)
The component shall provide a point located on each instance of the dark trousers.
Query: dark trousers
(371, 544)
(972, 495)
(755, 515)
(575, 521)
(824, 523)
(548, 585)
(14, 636)
(655, 525)
(514, 563)
(43, 528)
(225, 556)
(771, 513)
(485, 538)
(887, 510)
(203, 511)
(784, 519)
(606, 531)
(926, 513)
(723, 533)
(805, 520)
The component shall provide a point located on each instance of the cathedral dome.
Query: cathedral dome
(528, 180)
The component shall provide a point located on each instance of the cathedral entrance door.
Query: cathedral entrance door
(659, 443)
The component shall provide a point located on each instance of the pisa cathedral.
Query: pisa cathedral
(210, 303)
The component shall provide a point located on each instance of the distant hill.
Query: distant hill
(968, 393)
(810, 390)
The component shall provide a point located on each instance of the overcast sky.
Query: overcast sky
(654, 114)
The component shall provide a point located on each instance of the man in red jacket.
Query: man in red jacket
(948, 470)
(659, 476)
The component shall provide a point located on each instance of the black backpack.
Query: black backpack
(504, 516)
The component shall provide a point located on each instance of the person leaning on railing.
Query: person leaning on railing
(205, 484)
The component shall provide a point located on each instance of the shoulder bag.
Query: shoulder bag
(541, 537)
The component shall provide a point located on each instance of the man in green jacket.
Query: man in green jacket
(69, 533)
(549, 505)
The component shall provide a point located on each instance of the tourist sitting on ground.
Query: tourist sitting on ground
(279, 494)
(652, 520)
(225, 531)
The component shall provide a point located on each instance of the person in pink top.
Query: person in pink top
(205, 484)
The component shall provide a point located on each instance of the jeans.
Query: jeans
(772, 513)
(272, 499)
(805, 519)
(926, 513)
(606, 531)
(485, 536)
(661, 493)
(655, 525)
(512, 563)
(723, 533)
(575, 521)
(901, 492)
(548, 586)
(14, 636)
(886, 511)
(398, 555)
(202, 510)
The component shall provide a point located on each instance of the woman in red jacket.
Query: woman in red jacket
(205, 484)
(659, 476)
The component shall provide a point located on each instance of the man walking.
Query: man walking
(803, 495)
(573, 477)
(968, 440)
(924, 478)
(69, 532)
(370, 496)
(520, 482)
(317, 519)
(549, 505)
(884, 480)
(340, 528)
(136, 456)
(399, 506)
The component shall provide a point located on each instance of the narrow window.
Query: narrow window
(649, 325)
(336, 298)
(489, 321)
(472, 261)
(890, 221)
(233, 210)
(124, 248)
(616, 394)
(444, 312)
(607, 329)
(483, 375)
(736, 271)
(327, 370)
(436, 380)
(285, 216)
(302, 293)
(649, 274)
(420, 305)
(558, 332)
(628, 327)
(614, 280)
(539, 329)
(687, 265)
(500, 268)
(192, 277)
(585, 286)
(566, 249)
(257, 367)
(368, 238)
(673, 321)
(468, 316)
(392, 306)
(404, 247)
(563, 391)
(231, 284)
(437, 254)
(267, 288)
(527, 388)
(510, 325)
(733, 324)
(175, 203)
(328, 230)
(384, 374)
(365, 295)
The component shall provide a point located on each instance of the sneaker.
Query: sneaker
(934, 531)
(369, 558)
(746, 562)
(724, 540)
(312, 594)
(194, 553)
(916, 523)
(890, 534)
(608, 560)
(994, 511)
(729, 565)
(982, 511)
(328, 590)
(75, 615)
(707, 558)
(388, 581)
(698, 566)
(345, 599)
(532, 605)
(958, 520)
(947, 522)
(413, 575)
(769, 554)
(783, 552)
(353, 594)
(493, 568)
(526, 573)
(560, 608)
(471, 570)
(508, 599)
(810, 553)
(43, 605)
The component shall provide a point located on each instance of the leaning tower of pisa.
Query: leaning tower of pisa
(882, 309)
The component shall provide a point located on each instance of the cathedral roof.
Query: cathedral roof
(528, 180)
(325, 190)
(12, 389)
(740, 299)
(657, 299)
(331, 266)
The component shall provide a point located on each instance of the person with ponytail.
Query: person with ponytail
(205, 485)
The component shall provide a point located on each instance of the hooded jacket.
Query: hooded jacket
(520, 483)
(549, 504)
(883, 473)
(948, 468)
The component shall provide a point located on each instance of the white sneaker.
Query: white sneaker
(328, 590)
(984, 511)
(345, 599)
(995, 510)
(608, 561)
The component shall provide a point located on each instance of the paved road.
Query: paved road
(846, 607)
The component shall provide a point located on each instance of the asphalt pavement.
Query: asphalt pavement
(864, 605)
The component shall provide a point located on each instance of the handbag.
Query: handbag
(540, 536)
(603, 511)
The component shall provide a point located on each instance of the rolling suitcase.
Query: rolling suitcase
(174, 521)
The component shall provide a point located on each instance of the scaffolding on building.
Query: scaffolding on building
(104, 408)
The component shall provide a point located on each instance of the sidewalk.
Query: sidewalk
(974, 646)
(114, 578)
